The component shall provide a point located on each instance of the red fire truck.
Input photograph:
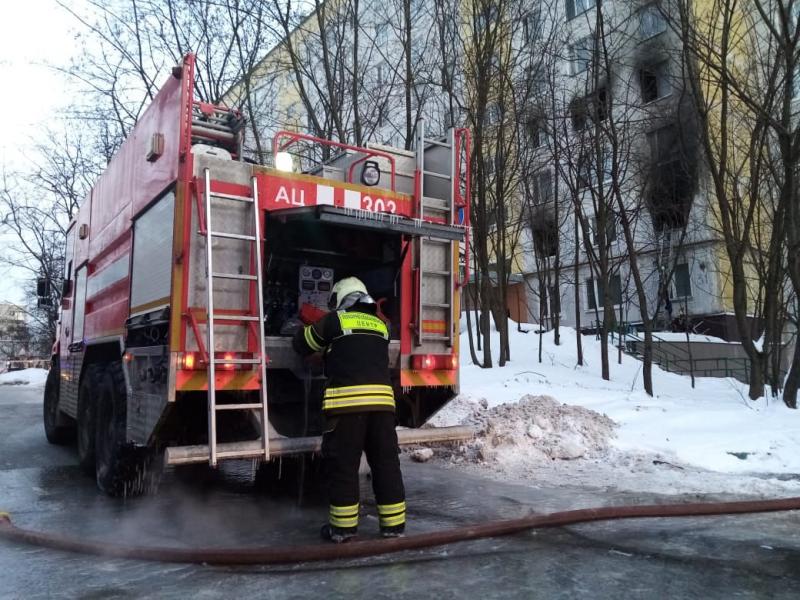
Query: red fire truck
(188, 269)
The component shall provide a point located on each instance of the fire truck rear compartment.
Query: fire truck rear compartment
(303, 257)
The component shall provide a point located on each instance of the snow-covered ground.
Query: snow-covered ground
(24, 377)
(682, 440)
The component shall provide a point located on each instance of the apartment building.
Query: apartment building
(594, 78)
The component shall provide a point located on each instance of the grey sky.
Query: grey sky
(33, 34)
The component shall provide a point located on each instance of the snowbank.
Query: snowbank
(713, 427)
(24, 377)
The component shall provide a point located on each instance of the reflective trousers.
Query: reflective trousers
(342, 444)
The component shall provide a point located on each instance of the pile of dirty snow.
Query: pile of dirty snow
(514, 436)
(24, 377)
(556, 421)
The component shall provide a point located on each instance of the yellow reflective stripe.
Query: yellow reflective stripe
(343, 522)
(309, 336)
(356, 320)
(357, 396)
(357, 402)
(393, 521)
(347, 390)
(388, 509)
(344, 511)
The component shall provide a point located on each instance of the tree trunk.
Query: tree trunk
(577, 290)
(486, 322)
(409, 78)
(793, 380)
(472, 353)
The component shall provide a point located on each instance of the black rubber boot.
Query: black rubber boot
(337, 535)
(394, 532)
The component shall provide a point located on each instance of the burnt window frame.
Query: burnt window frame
(661, 158)
(594, 108)
(660, 73)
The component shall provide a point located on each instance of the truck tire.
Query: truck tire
(87, 413)
(58, 428)
(122, 469)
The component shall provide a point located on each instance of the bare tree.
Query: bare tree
(36, 208)
(742, 61)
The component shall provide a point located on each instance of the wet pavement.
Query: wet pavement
(41, 486)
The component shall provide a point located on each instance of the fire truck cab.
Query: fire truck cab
(188, 270)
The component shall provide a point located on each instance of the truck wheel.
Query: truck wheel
(122, 469)
(87, 412)
(57, 426)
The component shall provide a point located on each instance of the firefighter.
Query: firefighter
(359, 407)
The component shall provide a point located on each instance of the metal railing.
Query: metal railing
(675, 358)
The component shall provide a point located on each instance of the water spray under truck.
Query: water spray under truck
(188, 269)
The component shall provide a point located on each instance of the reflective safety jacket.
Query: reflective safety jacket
(355, 344)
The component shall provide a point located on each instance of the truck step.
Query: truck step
(221, 317)
(435, 305)
(250, 406)
(232, 236)
(237, 361)
(281, 446)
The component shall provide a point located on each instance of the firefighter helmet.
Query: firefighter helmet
(347, 292)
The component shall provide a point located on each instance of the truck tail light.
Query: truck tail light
(188, 361)
(434, 362)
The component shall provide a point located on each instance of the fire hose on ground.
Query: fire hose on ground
(365, 548)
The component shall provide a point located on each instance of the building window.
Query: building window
(581, 54)
(578, 115)
(681, 282)
(542, 187)
(594, 106)
(494, 113)
(664, 144)
(536, 132)
(594, 292)
(654, 82)
(578, 7)
(588, 167)
(600, 105)
(382, 35)
(536, 80)
(611, 230)
(532, 25)
(651, 21)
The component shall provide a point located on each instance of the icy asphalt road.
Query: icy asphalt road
(40, 485)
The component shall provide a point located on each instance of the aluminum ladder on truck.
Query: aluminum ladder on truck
(245, 318)
(434, 263)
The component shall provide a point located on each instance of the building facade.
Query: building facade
(601, 124)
